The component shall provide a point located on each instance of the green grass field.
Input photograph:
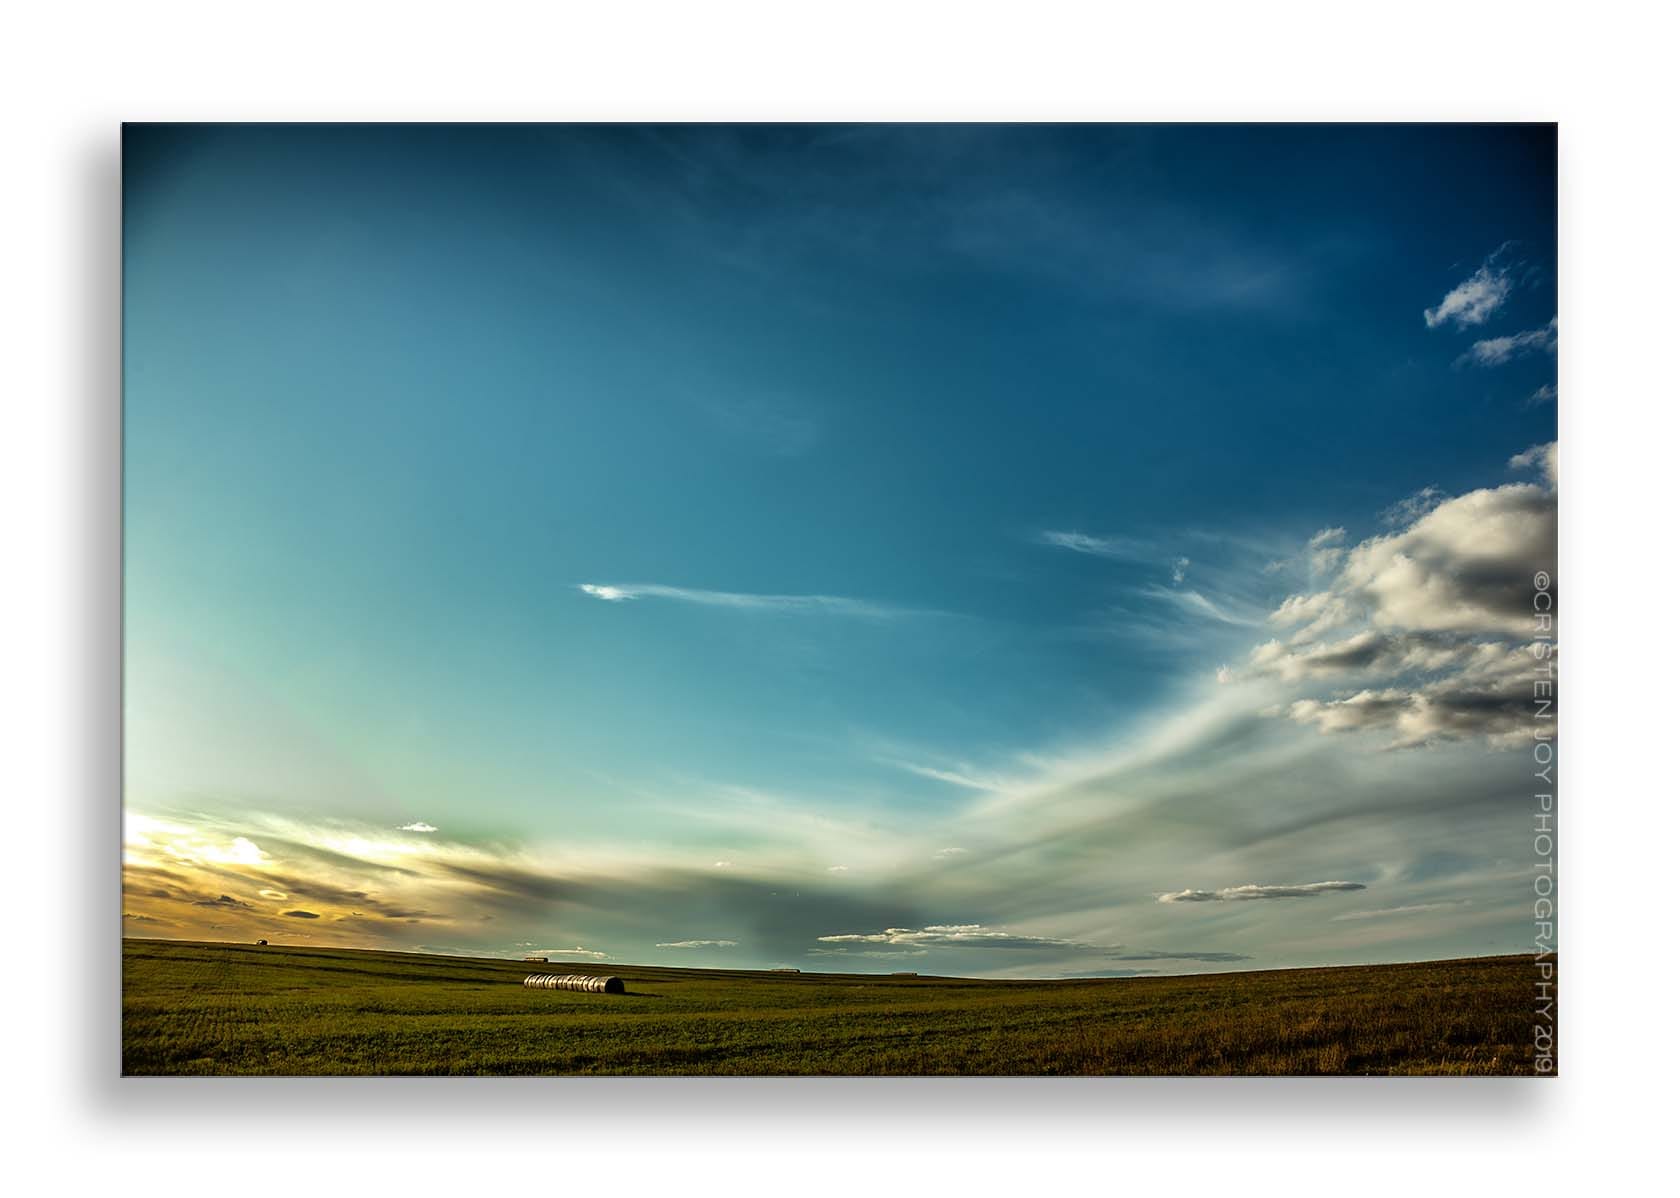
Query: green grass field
(235, 1008)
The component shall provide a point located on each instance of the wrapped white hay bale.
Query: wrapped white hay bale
(575, 981)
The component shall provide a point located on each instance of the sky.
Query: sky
(1018, 551)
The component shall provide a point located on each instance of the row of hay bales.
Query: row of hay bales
(575, 981)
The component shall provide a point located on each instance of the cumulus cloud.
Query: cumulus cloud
(417, 827)
(696, 944)
(1479, 296)
(1250, 892)
(1370, 651)
(1496, 351)
(1432, 624)
(1465, 565)
(1458, 707)
(1538, 457)
(813, 604)
(242, 852)
(1488, 693)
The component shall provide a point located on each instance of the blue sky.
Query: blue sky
(1012, 550)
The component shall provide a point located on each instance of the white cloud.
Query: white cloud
(1545, 457)
(1322, 561)
(1368, 652)
(1250, 892)
(1200, 793)
(1197, 604)
(696, 944)
(837, 869)
(1463, 566)
(966, 935)
(821, 604)
(1414, 507)
(1496, 351)
(1456, 707)
(187, 845)
(1478, 297)
(1544, 393)
(575, 951)
(1321, 554)
(417, 827)
(1433, 622)
(1120, 548)
(1131, 549)
(242, 852)
(969, 781)
(917, 941)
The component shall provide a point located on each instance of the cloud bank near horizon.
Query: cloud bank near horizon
(1426, 621)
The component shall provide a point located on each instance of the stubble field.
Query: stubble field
(198, 1008)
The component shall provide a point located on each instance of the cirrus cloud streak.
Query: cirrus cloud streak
(1251, 892)
(837, 605)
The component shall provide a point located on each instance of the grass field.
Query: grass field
(234, 1008)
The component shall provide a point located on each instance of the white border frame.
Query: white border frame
(80, 69)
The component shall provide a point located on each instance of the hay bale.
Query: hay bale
(587, 982)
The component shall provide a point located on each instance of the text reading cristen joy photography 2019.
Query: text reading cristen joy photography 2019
(1544, 650)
